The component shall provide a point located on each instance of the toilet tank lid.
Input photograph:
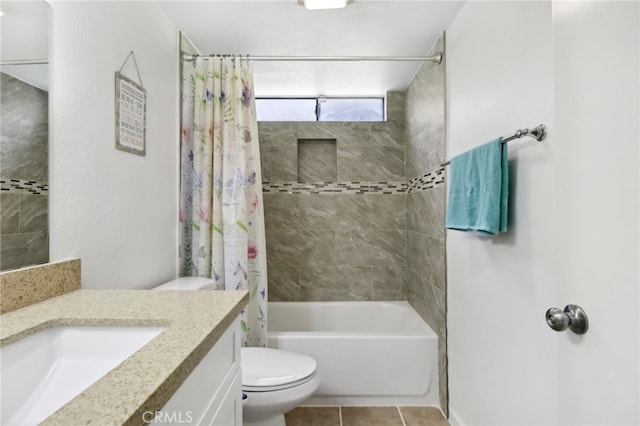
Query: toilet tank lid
(188, 283)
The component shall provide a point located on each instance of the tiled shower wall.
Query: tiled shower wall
(425, 150)
(380, 236)
(24, 226)
(340, 235)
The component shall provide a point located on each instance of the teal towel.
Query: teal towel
(479, 189)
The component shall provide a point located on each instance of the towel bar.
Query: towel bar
(539, 132)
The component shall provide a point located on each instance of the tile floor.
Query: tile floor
(365, 416)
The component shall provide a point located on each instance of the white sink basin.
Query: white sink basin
(42, 372)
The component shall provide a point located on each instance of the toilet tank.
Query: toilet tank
(188, 283)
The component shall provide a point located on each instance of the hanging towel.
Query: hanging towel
(478, 190)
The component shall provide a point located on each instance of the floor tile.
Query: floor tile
(313, 416)
(371, 416)
(423, 416)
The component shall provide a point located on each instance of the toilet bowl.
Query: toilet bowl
(273, 381)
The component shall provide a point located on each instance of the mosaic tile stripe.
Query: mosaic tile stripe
(23, 186)
(353, 188)
(428, 181)
(422, 183)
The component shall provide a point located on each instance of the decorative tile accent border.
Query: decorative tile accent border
(428, 181)
(422, 183)
(23, 186)
(353, 188)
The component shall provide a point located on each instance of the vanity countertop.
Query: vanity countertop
(145, 381)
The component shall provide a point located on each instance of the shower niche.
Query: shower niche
(317, 160)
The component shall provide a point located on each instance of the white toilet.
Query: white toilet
(273, 381)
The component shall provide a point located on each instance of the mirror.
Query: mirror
(24, 127)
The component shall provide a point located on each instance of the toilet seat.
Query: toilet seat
(188, 283)
(266, 369)
(277, 388)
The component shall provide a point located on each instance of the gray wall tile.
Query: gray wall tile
(326, 283)
(424, 150)
(279, 163)
(337, 212)
(443, 374)
(277, 133)
(18, 250)
(418, 291)
(9, 213)
(24, 124)
(338, 241)
(425, 256)
(425, 119)
(395, 107)
(23, 161)
(345, 133)
(34, 213)
(369, 247)
(24, 128)
(284, 283)
(387, 211)
(425, 211)
(387, 133)
(389, 282)
(370, 163)
(298, 247)
(281, 211)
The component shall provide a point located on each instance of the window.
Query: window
(320, 109)
(357, 109)
(286, 109)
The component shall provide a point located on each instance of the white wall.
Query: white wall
(573, 234)
(502, 355)
(597, 169)
(114, 210)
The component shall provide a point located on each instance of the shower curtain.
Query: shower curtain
(221, 212)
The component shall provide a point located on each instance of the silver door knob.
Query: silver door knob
(573, 317)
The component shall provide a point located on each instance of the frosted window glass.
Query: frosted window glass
(359, 109)
(328, 109)
(286, 109)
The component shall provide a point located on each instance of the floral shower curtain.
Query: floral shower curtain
(221, 212)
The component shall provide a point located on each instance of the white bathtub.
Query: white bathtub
(368, 353)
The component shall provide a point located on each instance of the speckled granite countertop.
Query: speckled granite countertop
(145, 381)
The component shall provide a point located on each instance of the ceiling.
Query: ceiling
(24, 30)
(274, 27)
(281, 27)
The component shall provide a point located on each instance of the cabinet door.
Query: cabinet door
(200, 394)
(230, 410)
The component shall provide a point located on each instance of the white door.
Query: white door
(596, 74)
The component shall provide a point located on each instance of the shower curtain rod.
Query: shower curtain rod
(437, 58)
(25, 62)
(539, 132)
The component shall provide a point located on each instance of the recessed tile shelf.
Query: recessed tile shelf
(317, 160)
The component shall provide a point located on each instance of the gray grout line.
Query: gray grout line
(401, 417)
(340, 413)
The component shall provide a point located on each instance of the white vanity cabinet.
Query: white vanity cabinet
(212, 393)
